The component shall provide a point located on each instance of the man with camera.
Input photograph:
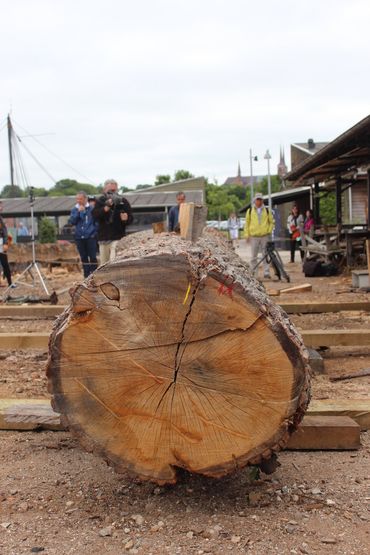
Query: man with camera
(113, 213)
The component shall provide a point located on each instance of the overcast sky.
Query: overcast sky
(132, 89)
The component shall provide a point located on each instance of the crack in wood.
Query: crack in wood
(178, 363)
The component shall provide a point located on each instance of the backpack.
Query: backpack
(312, 268)
(317, 268)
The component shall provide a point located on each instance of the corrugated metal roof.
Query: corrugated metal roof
(63, 205)
(187, 185)
(288, 195)
(309, 149)
(349, 151)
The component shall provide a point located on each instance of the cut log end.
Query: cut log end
(171, 360)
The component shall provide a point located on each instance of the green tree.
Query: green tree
(39, 192)
(47, 230)
(12, 191)
(182, 174)
(162, 178)
(221, 202)
(262, 186)
(328, 213)
(138, 187)
(70, 187)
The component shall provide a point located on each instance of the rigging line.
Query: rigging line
(18, 158)
(57, 156)
(18, 162)
(16, 168)
(37, 161)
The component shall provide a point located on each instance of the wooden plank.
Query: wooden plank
(351, 375)
(335, 338)
(358, 409)
(28, 414)
(36, 340)
(309, 307)
(186, 216)
(192, 219)
(30, 310)
(326, 432)
(302, 288)
(312, 307)
(311, 338)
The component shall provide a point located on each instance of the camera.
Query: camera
(113, 200)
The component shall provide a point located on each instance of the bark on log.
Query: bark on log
(173, 356)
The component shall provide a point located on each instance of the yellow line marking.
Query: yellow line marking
(187, 294)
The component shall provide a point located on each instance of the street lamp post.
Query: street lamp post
(251, 158)
(268, 158)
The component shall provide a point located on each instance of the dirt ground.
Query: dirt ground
(57, 499)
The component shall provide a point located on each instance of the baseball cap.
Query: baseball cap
(257, 196)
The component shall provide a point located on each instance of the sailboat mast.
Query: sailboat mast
(10, 130)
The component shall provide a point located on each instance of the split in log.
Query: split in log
(173, 356)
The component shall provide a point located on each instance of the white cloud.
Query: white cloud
(135, 89)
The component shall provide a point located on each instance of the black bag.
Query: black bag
(312, 268)
(329, 269)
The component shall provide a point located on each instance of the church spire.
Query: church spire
(239, 171)
(282, 168)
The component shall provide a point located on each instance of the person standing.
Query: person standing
(295, 226)
(113, 213)
(4, 244)
(309, 224)
(233, 226)
(22, 231)
(259, 223)
(85, 233)
(173, 214)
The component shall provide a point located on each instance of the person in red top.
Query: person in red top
(295, 225)
(309, 224)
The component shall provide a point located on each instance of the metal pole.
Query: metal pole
(10, 129)
(251, 168)
(269, 183)
(268, 158)
(33, 235)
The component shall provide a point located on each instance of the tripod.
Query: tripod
(32, 269)
(273, 257)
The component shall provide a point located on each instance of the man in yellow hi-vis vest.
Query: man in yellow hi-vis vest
(259, 223)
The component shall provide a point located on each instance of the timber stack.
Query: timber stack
(173, 356)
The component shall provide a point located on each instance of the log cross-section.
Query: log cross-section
(173, 356)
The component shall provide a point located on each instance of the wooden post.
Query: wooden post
(316, 204)
(368, 224)
(192, 219)
(338, 200)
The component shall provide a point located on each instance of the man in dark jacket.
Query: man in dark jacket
(112, 212)
(85, 233)
(173, 214)
(4, 241)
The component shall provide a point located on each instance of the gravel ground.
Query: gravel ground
(56, 498)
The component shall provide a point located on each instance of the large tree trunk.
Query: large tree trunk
(174, 356)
